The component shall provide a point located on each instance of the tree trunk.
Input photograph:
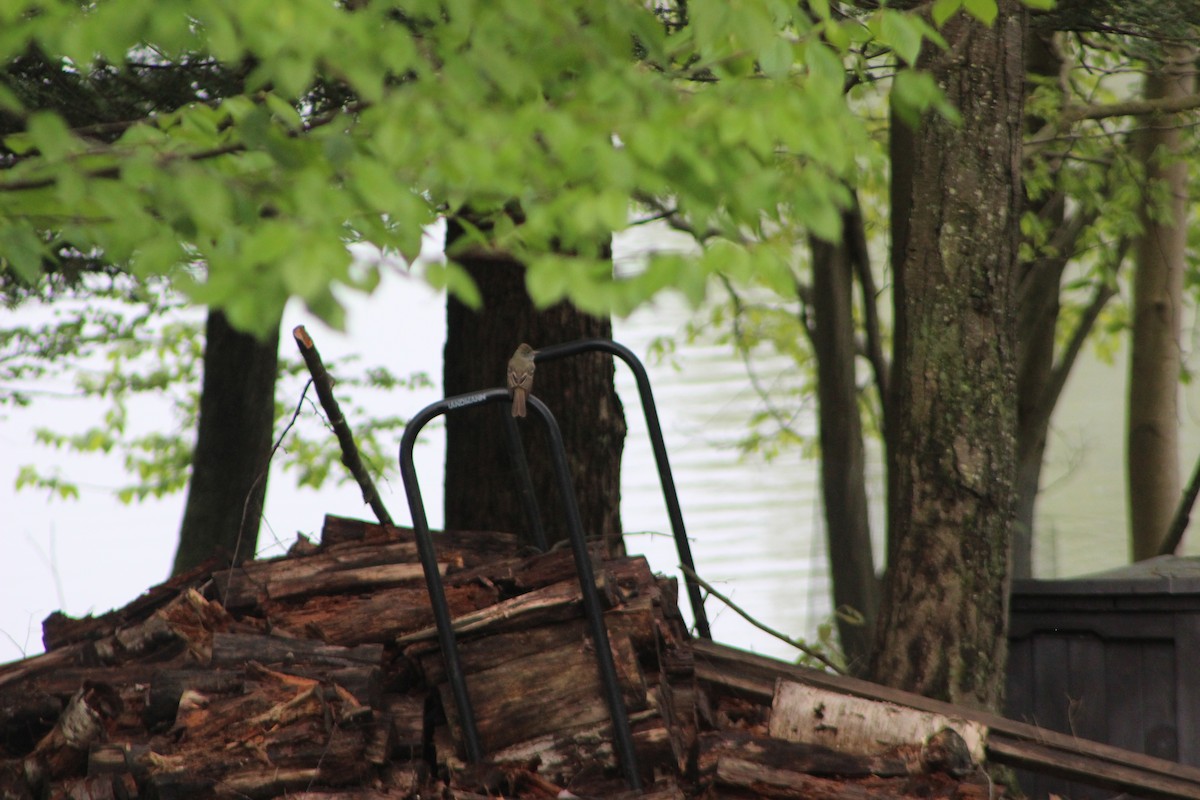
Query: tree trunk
(843, 478)
(233, 446)
(1160, 254)
(481, 489)
(943, 619)
(1037, 320)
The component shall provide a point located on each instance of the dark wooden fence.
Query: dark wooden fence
(1114, 658)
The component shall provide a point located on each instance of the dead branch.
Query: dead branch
(1129, 108)
(350, 455)
(783, 637)
(1183, 515)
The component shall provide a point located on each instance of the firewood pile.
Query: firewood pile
(319, 675)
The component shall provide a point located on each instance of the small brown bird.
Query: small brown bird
(520, 377)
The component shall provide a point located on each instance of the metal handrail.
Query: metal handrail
(622, 735)
(654, 429)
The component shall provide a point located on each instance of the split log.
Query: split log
(536, 682)
(371, 618)
(82, 724)
(59, 630)
(182, 621)
(323, 572)
(473, 547)
(1011, 743)
(541, 607)
(810, 714)
(583, 757)
(760, 766)
(530, 668)
(616, 581)
(230, 649)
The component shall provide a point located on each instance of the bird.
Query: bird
(520, 377)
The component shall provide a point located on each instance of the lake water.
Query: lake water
(756, 527)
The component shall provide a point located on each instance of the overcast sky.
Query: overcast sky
(95, 553)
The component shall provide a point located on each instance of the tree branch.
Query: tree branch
(856, 237)
(1183, 515)
(1134, 108)
(783, 637)
(114, 171)
(1129, 108)
(743, 349)
(1039, 288)
(350, 455)
(1058, 375)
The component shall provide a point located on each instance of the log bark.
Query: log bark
(342, 695)
(753, 678)
(812, 715)
(82, 723)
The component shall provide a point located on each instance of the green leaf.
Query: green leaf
(547, 280)
(51, 135)
(914, 92)
(983, 10)
(836, 34)
(457, 281)
(943, 10)
(776, 59)
(328, 309)
(902, 33)
(21, 250)
(824, 66)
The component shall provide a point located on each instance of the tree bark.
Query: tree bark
(481, 489)
(1037, 320)
(843, 470)
(233, 446)
(943, 619)
(1160, 254)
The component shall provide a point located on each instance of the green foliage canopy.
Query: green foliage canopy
(299, 127)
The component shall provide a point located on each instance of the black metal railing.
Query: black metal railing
(654, 430)
(622, 735)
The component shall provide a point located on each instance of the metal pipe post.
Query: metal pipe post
(654, 429)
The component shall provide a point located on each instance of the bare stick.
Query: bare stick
(783, 637)
(262, 475)
(350, 454)
(1183, 515)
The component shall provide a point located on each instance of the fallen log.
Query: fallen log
(814, 715)
(1011, 743)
